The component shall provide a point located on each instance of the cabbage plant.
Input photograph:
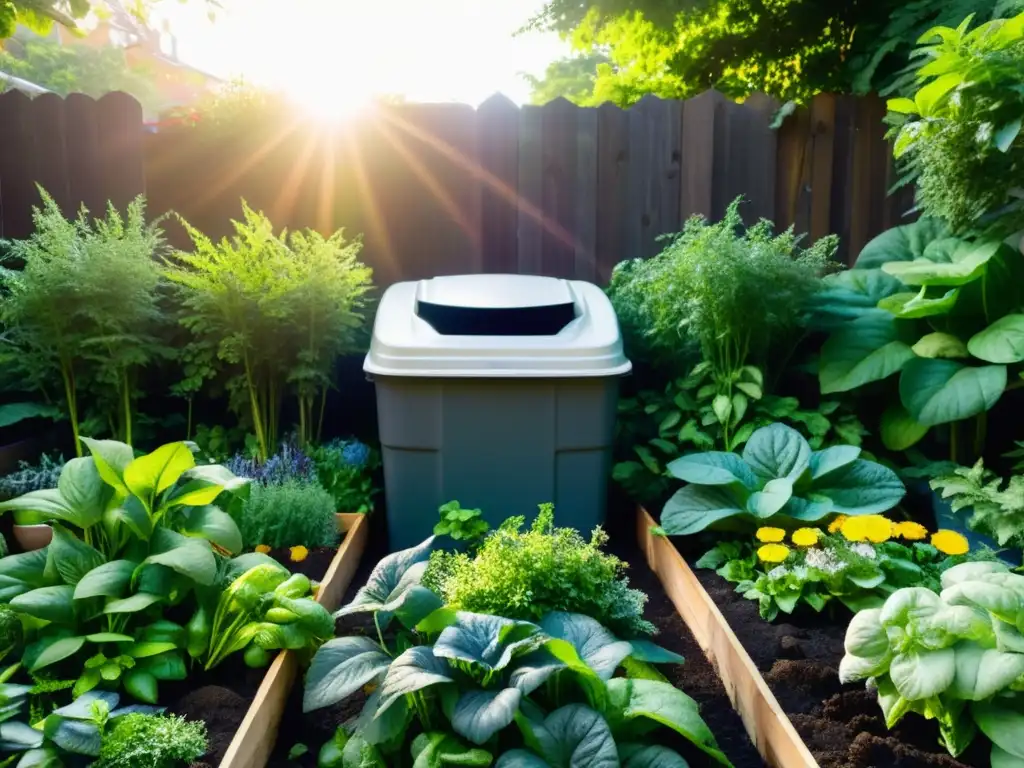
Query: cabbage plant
(467, 677)
(956, 657)
(777, 477)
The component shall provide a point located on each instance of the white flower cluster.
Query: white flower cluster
(778, 572)
(825, 560)
(864, 550)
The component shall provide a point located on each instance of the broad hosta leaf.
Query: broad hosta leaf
(832, 458)
(50, 505)
(695, 507)
(52, 650)
(155, 472)
(981, 673)
(107, 580)
(898, 429)
(388, 581)
(941, 391)
(1002, 342)
(23, 572)
(664, 704)
(71, 556)
(1003, 723)
(713, 468)
(530, 671)
(341, 667)
(438, 749)
(79, 736)
(16, 736)
(910, 306)
(651, 756)
(652, 653)
(56, 604)
(140, 601)
(189, 557)
(849, 294)
(413, 670)
(214, 525)
(478, 715)
(598, 647)
(904, 243)
(520, 758)
(860, 488)
(777, 451)
(922, 674)
(870, 348)
(416, 604)
(765, 503)
(133, 515)
(958, 263)
(84, 491)
(12, 413)
(382, 727)
(111, 459)
(939, 344)
(489, 641)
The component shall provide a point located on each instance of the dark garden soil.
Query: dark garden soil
(696, 677)
(222, 696)
(842, 725)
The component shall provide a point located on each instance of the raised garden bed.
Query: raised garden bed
(783, 678)
(243, 707)
(697, 677)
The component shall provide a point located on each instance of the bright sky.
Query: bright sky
(436, 50)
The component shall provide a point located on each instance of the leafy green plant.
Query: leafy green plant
(31, 477)
(958, 135)
(779, 478)
(490, 671)
(345, 469)
(661, 426)
(526, 574)
(12, 634)
(997, 505)
(856, 562)
(956, 657)
(734, 296)
(274, 311)
(288, 515)
(264, 609)
(461, 524)
(103, 275)
(160, 741)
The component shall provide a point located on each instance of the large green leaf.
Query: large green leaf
(111, 459)
(438, 749)
(649, 756)
(940, 344)
(870, 348)
(521, 758)
(1002, 720)
(155, 472)
(981, 673)
(478, 715)
(832, 458)
(922, 674)
(389, 581)
(488, 641)
(16, 736)
(899, 430)
(71, 556)
(904, 243)
(860, 488)
(1002, 342)
(12, 413)
(50, 505)
(341, 667)
(664, 704)
(22, 572)
(694, 508)
(850, 294)
(777, 451)
(84, 491)
(189, 557)
(132, 514)
(713, 468)
(910, 306)
(415, 669)
(214, 525)
(954, 265)
(110, 580)
(56, 604)
(597, 646)
(52, 650)
(140, 601)
(941, 391)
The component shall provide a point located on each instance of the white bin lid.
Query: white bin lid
(513, 326)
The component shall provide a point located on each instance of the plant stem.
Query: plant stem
(127, 404)
(69, 393)
(188, 421)
(261, 437)
(380, 636)
(320, 422)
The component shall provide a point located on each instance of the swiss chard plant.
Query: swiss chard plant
(778, 477)
(464, 678)
(956, 657)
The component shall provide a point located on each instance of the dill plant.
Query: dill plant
(288, 514)
(271, 312)
(84, 312)
(154, 741)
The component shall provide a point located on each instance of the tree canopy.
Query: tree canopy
(40, 15)
(790, 49)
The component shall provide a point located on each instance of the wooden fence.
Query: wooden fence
(442, 189)
(82, 151)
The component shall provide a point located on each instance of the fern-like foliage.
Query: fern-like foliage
(997, 505)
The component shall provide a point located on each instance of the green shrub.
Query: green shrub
(288, 515)
(31, 477)
(155, 741)
(345, 470)
(528, 574)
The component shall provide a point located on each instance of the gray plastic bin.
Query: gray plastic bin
(498, 391)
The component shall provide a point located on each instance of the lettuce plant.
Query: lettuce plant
(466, 677)
(956, 657)
(779, 478)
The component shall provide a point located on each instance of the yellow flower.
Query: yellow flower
(262, 548)
(950, 542)
(770, 535)
(910, 531)
(298, 554)
(836, 524)
(805, 537)
(773, 553)
(873, 528)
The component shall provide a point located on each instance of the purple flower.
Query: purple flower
(355, 453)
(289, 463)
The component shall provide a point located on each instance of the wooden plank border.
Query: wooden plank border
(767, 724)
(255, 738)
